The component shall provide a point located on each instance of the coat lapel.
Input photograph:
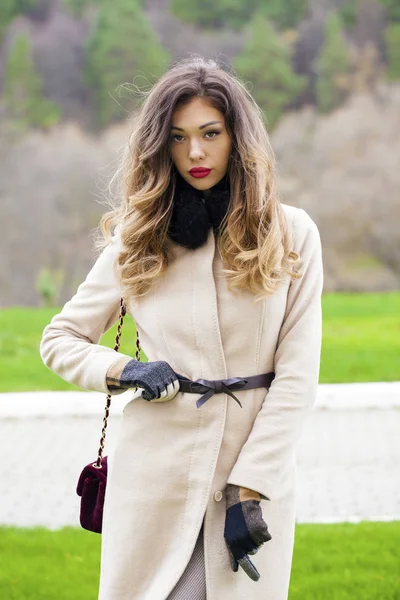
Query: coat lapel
(181, 312)
(200, 306)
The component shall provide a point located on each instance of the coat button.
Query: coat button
(218, 496)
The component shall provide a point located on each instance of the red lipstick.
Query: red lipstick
(199, 172)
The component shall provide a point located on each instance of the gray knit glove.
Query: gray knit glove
(159, 380)
(245, 529)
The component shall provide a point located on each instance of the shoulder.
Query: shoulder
(303, 227)
(116, 235)
(107, 252)
(114, 244)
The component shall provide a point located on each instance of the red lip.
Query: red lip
(199, 172)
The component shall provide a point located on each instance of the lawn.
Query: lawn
(361, 338)
(330, 562)
(361, 342)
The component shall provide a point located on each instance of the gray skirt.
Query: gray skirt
(192, 584)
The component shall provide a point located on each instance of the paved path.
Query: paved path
(348, 456)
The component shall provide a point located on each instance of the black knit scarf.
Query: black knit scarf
(195, 211)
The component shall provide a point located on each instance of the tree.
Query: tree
(235, 13)
(392, 8)
(332, 66)
(48, 284)
(393, 51)
(285, 13)
(22, 91)
(122, 46)
(214, 15)
(266, 63)
(77, 7)
(36, 9)
(348, 13)
(32, 8)
(7, 13)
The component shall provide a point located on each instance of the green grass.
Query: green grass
(361, 342)
(330, 562)
(44, 565)
(361, 338)
(346, 562)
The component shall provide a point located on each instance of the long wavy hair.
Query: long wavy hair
(254, 241)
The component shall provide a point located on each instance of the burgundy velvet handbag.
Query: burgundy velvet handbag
(93, 479)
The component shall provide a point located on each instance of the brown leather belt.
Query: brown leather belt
(225, 386)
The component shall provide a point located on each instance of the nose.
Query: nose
(195, 151)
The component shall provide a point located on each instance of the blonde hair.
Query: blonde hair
(255, 241)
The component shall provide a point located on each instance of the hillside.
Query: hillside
(64, 119)
(342, 169)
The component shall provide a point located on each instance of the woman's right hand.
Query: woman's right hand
(159, 380)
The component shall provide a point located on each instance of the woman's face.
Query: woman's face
(199, 138)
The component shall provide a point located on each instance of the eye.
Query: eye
(208, 132)
(216, 133)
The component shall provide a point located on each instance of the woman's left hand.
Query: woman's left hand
(245, 530)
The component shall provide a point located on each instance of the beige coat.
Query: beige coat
(172, 457)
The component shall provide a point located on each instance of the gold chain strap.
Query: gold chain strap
(122, 314)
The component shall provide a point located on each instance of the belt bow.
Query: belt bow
(211, 387)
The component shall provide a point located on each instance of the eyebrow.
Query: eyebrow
(201, 126)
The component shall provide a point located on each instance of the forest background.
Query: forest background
(326, 74)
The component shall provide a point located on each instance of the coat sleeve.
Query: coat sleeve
(268, 453)
(69, 344)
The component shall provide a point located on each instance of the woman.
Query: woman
(224, 282)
